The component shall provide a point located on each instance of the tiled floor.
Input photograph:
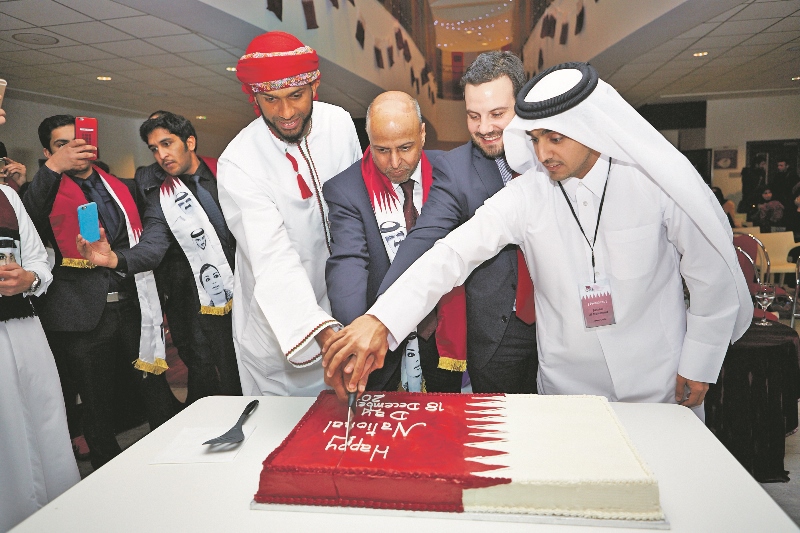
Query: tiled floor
(787, 495)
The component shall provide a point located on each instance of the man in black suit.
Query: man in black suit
(202, 333)
(501, 347)
(366, 236)
(93, 313)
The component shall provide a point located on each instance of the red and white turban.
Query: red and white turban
(276, 60)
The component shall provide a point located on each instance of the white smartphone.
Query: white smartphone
(3, 84)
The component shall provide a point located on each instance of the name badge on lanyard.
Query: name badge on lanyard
(598, 309)
(597, 305)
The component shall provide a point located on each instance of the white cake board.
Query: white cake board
(486, 517)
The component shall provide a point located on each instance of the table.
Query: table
(753, 405)
(703, 488)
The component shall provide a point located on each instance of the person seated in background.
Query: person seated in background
(768, 212)
(36, 462)
(727, 206)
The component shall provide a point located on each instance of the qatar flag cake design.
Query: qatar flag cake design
(487, 453)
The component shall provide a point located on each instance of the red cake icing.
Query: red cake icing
(406, 451)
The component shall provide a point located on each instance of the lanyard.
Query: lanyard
(599, 212)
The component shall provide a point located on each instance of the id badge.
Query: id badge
(598, 309)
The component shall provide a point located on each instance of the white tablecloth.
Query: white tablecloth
(703, 488)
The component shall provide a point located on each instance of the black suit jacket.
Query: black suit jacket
(463, 179)
(77, 297)
(358, 261)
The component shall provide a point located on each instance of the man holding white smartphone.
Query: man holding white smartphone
(96, 314)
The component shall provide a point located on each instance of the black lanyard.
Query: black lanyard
(599, 212)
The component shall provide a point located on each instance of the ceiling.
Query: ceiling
(173, 55)
(753, 50)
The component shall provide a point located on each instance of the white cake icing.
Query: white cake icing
(565, 455)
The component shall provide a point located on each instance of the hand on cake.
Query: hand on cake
(690, 393)
(366, 340)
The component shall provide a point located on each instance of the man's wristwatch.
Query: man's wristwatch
(35, 285)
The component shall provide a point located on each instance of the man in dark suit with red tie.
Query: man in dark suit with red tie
(501, 334)
(372, 206)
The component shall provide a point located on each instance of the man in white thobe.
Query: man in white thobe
(607, 206)
(270, 190)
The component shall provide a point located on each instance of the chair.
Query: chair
(750, 272)
(779, 245)
(750, 244)
(796, 292)
(747, 229)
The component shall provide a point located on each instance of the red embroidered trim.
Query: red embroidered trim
(308, 336)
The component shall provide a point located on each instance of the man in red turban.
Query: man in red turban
(270, 190)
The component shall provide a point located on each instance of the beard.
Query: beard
(290, 139)
(492, 153)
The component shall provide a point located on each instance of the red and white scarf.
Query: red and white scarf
(451, 311)
(64, 221)
(200, 243)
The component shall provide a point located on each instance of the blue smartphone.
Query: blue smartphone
(88, 222)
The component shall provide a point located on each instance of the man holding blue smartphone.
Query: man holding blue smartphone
(99, 316)
(190, 249)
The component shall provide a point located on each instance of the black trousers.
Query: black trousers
(513, 367)
(94, 357)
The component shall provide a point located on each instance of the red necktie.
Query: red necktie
(428, 325)
(526, 308)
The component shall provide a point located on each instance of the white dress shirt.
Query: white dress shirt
(644, 243)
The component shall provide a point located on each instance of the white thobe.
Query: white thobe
(645, 243)
(36, 459)
(279, 298)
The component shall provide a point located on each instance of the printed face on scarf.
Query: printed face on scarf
(199, 237)
(184, 202)
(396, 135)
(211, 280)
(287, 112)
(561, 156)
(490, 107)
(392, 233)
(171, 153)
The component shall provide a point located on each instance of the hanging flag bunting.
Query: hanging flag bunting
(580, 18)
(276, 7)
(335, 3)
(564, 33)
(423, 74)
(360, 33)
(311, 14)
(378, 56)
(390, 56)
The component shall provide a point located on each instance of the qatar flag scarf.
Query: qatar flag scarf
(64, 221)
(451, 331)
